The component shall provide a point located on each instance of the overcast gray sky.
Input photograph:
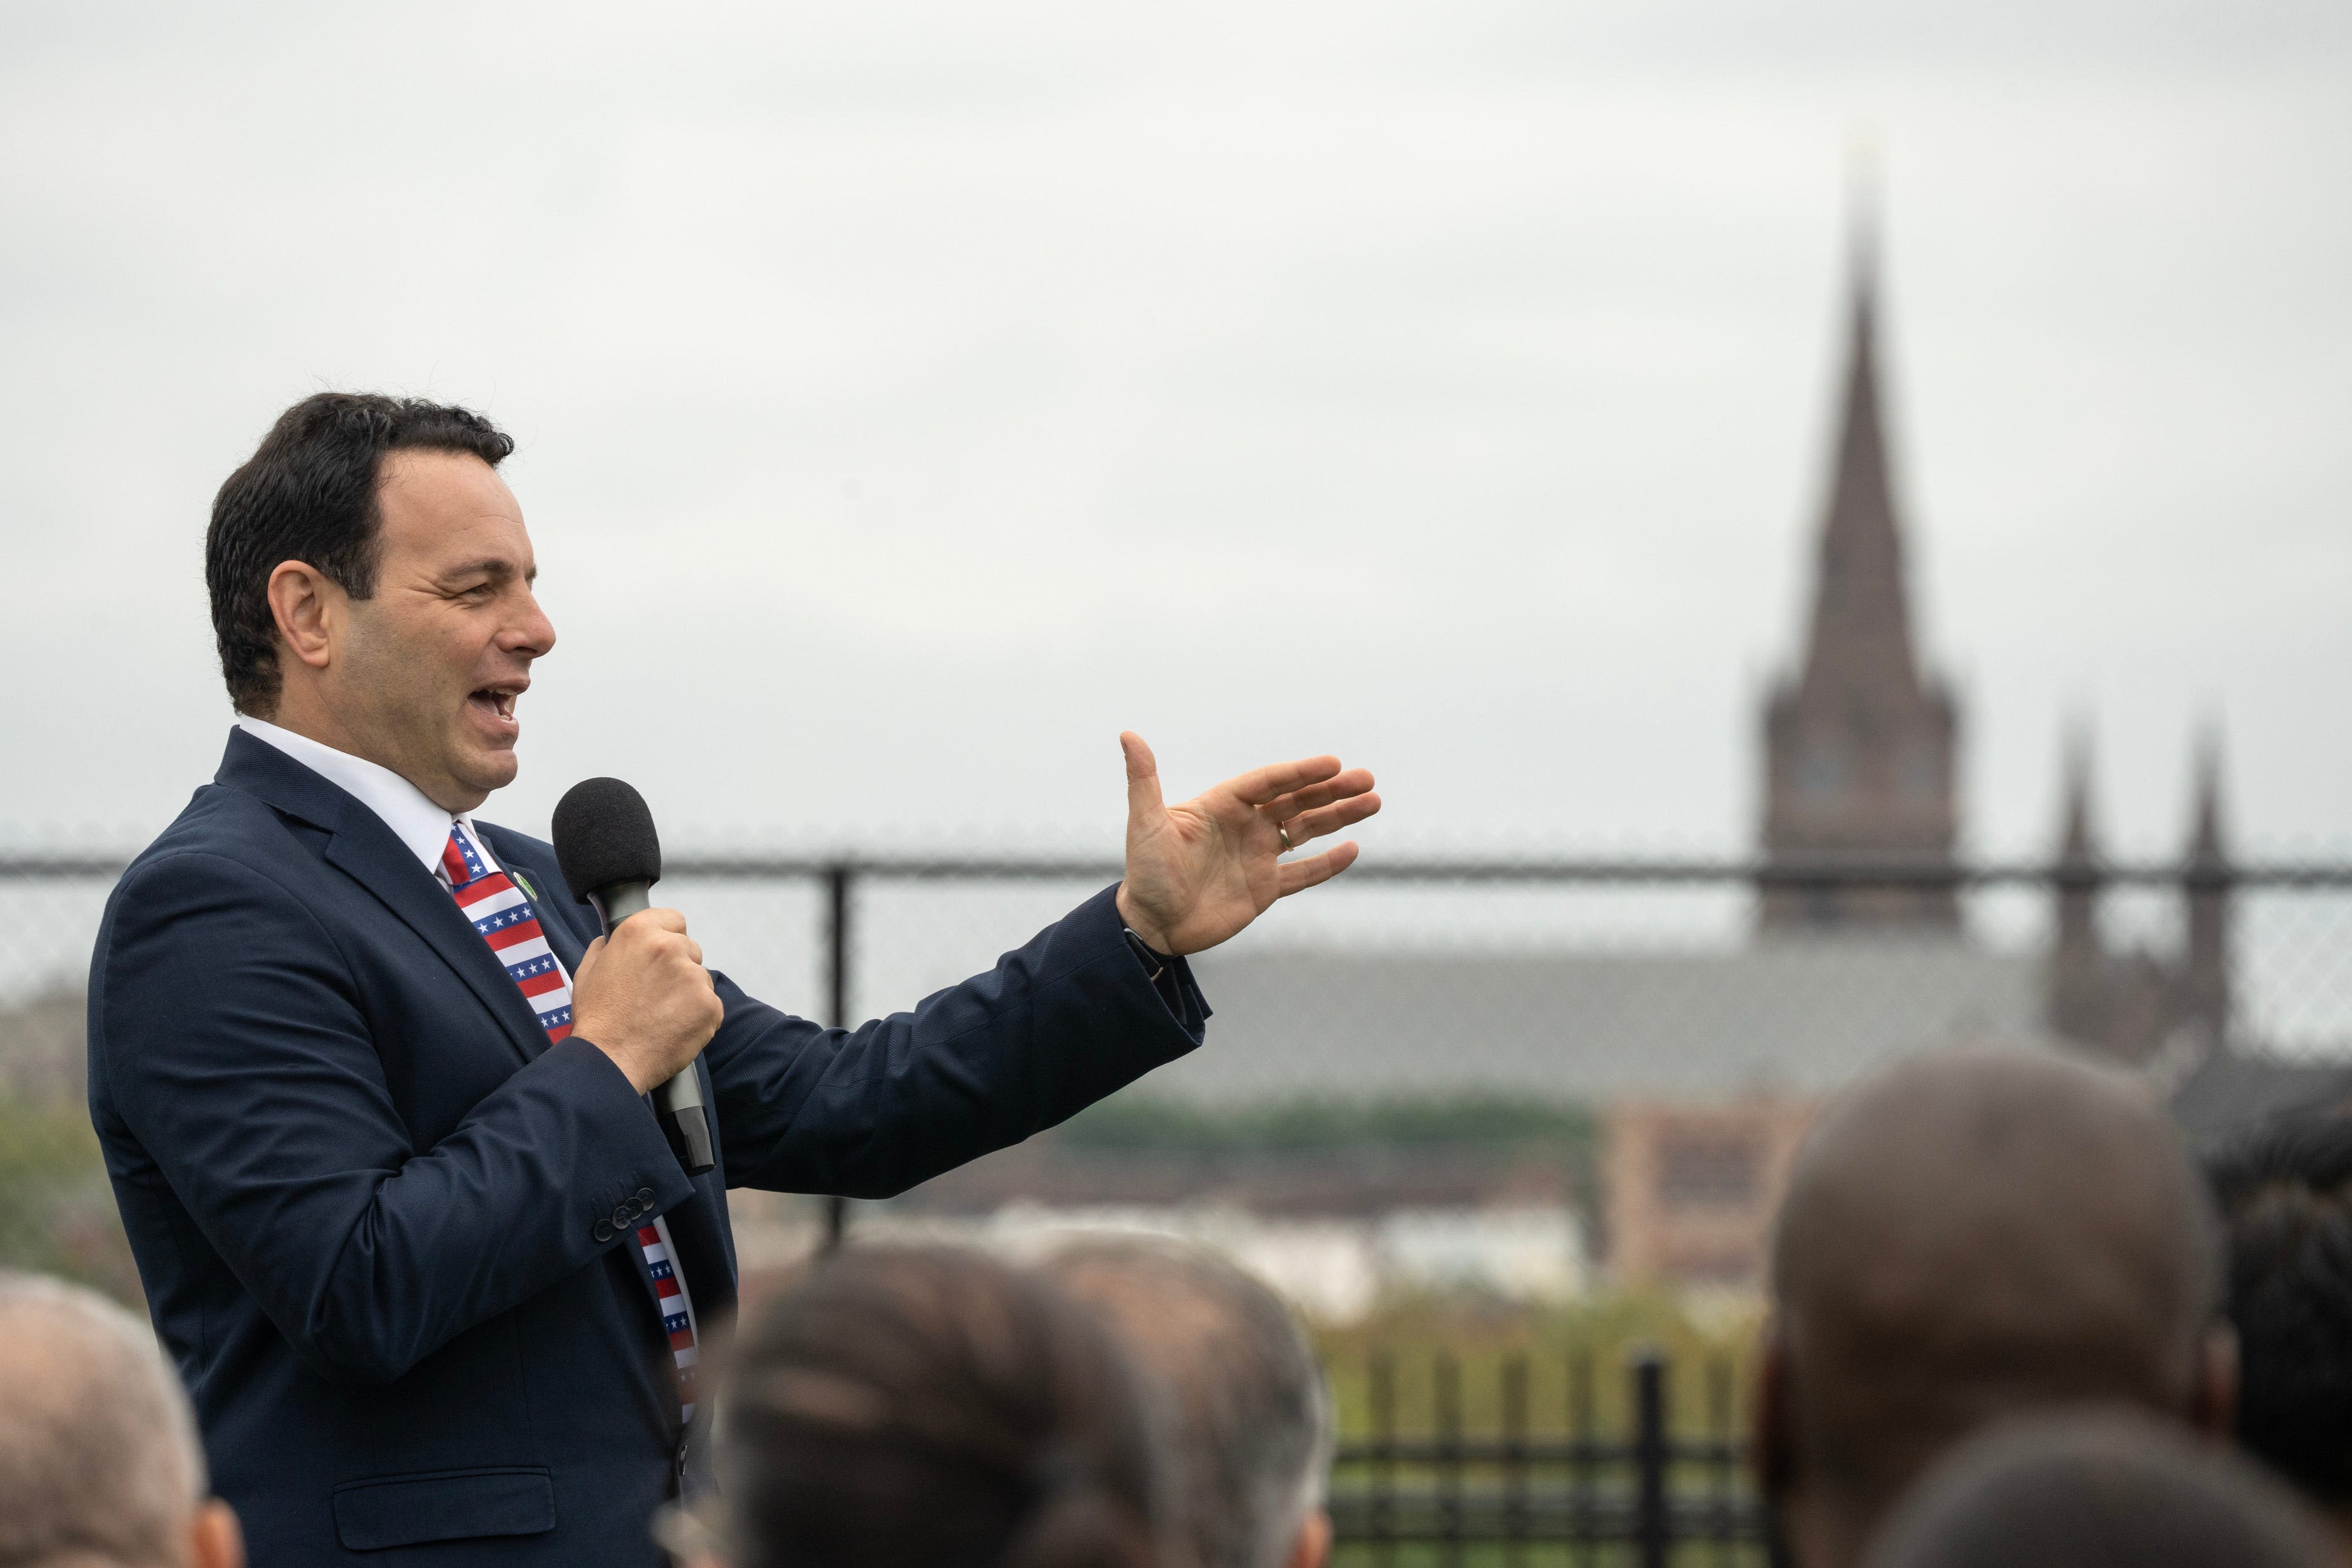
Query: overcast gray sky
(911, 396)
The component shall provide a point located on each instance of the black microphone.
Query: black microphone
(605, 842)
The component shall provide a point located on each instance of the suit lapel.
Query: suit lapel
(382, 865)
(362, 847)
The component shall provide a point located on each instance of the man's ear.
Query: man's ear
(303, 602)
(2213, 1400)
(1313, 1547)
(215, 1540)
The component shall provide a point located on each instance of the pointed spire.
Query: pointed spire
(1862, 618)
(2205, 845)
(1862, 217)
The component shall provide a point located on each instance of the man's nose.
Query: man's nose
(532, 634)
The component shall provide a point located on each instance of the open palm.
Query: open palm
(1198, 872)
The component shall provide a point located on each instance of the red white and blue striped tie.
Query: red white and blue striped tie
(503, 914)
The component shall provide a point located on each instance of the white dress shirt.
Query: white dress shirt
(411, 815)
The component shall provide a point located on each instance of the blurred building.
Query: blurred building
(1691, 1190)
(1860, 756)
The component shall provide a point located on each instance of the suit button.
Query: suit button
(603, 1231)
(645, 1198)
(621, 1217)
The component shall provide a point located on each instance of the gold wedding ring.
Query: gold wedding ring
(1284, 834)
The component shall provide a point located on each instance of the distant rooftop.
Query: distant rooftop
(1793, 1017)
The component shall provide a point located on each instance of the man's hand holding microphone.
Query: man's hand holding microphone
(644, 999)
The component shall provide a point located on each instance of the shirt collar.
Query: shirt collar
(414, 819)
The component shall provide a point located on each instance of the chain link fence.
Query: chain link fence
(1515, 1077)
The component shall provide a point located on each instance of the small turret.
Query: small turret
(2078, 995)
(2205, 888)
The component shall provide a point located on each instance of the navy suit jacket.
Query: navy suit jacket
(383, 1225)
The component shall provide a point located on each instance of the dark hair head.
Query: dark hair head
(1247, 1406)
(929, 1407)
(2286, 1199)
(309, 493)
(2114, 1490)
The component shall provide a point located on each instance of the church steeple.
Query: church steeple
(1860, 745)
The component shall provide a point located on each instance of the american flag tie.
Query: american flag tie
(502, 914)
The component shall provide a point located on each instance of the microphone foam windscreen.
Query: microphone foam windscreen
(604, 835)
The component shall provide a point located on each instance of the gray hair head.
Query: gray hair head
(99, 1455)
(1244, 1397)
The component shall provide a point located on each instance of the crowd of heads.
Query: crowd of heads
(1127, 1404)
(2012, 1323)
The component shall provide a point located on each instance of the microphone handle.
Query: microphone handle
(685, 1120)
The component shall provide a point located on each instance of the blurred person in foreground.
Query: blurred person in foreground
(1244, 1404)
(922, 1408)
(1968, 1236)
(2285, 1193)
(2098, 1490)
(99, 1466)
(372, 1087)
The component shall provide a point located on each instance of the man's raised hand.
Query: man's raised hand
(1198, 872)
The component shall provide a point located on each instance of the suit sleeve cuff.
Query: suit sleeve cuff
(637, 1175)
(1169, 975)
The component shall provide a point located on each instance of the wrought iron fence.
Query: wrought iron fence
(1526, 1486)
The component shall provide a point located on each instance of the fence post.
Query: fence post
(1582, 1529)
(1449, 1458)
(1384, 1401)
(1724, 1460)
(1515, 1461)
(837, 1006)
(1652, 1536)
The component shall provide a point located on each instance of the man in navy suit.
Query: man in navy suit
(373, 1101)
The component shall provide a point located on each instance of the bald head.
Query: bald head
(99, 1457)
(1968, 1234)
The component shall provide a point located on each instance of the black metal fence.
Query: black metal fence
(1531, 1487)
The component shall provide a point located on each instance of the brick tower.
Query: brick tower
(1859, 744)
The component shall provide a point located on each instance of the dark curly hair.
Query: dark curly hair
(309, 493)
(2285, 1193)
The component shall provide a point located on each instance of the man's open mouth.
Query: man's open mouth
(497, 699)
